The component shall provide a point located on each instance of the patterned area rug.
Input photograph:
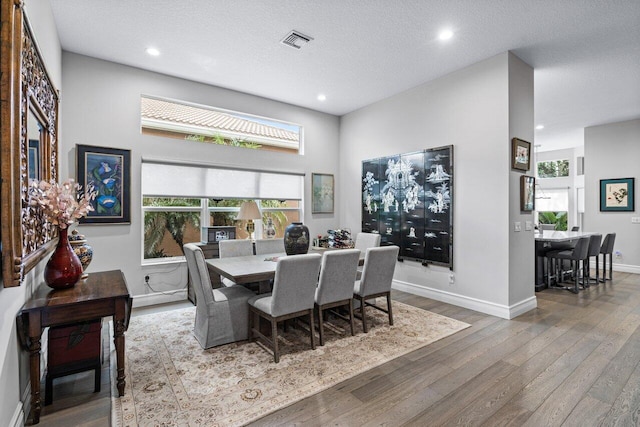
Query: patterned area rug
(172, 381)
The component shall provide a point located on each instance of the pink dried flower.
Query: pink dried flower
(63, 204)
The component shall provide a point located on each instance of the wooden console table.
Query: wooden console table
(102, 294)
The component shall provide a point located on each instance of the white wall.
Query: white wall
(101, 106)
(613, 151)
(470, 110)
(14, 362)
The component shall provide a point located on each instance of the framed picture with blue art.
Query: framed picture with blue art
(617, 195)
(108, 170)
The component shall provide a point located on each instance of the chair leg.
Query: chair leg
(597, 269)
(320, 326)
(311, 330)
(389, 309)
(274, 338)
(611, 267)
(364, 318)
(97, 377)
(351, 316)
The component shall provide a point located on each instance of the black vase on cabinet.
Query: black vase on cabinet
(296, 239)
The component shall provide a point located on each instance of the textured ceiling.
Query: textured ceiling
(586, 53)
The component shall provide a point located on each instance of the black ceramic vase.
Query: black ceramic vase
(296, 239)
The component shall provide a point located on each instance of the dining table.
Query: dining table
(549, 240)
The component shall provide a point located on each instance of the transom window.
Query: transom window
(205, 124)
(553, 169)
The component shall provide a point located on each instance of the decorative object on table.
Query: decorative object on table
(340, 239)
(82, 250)
(108, 171)
(527, 193)
(63, 205)
(296, 239)
(249, 212)
(322, 193)
(617, 195)
(408, 200)
(521, 154)
(270, 230)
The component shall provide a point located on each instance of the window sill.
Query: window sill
(163, 261)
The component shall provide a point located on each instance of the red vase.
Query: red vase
(64, 268)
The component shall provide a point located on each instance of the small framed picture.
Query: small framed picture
(322, 193)
(527, 193)
(617, 195)
(521, 154)
(108, 170)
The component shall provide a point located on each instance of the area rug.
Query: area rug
(172, 381)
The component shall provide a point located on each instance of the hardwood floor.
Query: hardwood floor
(574, 361)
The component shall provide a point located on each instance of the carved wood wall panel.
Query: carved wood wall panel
(25, 89)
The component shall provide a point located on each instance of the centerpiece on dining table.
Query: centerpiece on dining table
(63, 204)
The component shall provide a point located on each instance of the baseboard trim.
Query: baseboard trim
(626, 268)
(24, 407)
(493, 309)
(159, 298)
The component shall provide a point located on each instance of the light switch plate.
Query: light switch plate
(635, 219)
(517, 226)
(528, 225)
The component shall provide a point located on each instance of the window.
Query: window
(178, 199)
(552, 206)
(553, 169)
(204, 124)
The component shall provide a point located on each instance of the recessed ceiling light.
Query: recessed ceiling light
(152, 51)
(445, 34)
(539, 127)
(322, 97)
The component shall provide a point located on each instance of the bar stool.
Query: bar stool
(579, 253)
(594, 251)
(607, 249)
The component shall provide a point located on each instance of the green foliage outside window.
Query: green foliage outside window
(557, 218)
(553, 169)
(176, 223)
(221, 140)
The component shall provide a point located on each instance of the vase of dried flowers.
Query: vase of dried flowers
(63, 205)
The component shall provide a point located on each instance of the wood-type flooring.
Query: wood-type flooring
(573, 361)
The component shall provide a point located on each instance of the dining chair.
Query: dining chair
(232, 248)
(269, 246)
(607, 249)
(377, 276)
(579, 253)
(335, 286)
(575, 228)
(594, 251)
(363, 242)
(293, 294)
(222, 315)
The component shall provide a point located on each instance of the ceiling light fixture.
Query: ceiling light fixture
(152, 51)
(322, 97)
(445, 35)
(539, 127)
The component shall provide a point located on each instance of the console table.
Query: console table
(100, 295)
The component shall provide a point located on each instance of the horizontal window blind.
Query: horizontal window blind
(169, 179)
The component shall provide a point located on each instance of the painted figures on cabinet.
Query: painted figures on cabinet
(407, 199)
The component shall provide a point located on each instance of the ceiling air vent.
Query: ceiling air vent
(296, 39)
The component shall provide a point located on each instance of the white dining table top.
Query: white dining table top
(560, 236)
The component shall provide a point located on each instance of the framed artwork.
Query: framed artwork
(521, 154)
(617, 195)
(527, 193)
(108, 170)
(322, 187)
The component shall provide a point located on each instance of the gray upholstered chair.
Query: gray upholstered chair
(232, 248)
(293, 293)
(377, 275)
(607, 249)
(269, 246)
(594, 251)
(575, 228)
(222, 315)
(579, 253)
(335, 287)
(363, 242)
